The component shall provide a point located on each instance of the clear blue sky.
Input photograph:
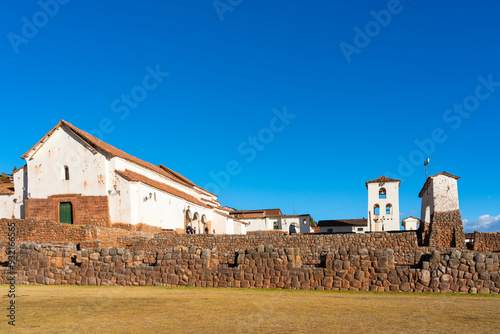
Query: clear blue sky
(359, 100)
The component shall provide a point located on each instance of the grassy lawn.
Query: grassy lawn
(68, 309)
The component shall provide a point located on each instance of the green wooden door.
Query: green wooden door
(66, 213)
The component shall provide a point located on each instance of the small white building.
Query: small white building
(75, 178)
(343, 226)
(273, 220)
(410, 223)
(383, 204)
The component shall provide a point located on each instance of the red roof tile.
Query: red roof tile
(383, 179)
(255, 213)
(6, 188)
(411, 217)
(446, 174)
(136, 177)
(97, 144)
(343, 222)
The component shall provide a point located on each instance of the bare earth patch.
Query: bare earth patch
(67, 309)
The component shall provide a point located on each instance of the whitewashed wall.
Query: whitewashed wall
(410, 224)
(6, 206)
(239, 228)
(221, 224)
(46, 168)
(256, 224)
(121, 164)
(20, 187)
(391, 221)
(299, 222)
(445, 193)
(441, 195)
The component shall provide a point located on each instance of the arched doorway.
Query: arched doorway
(188, 220)
(204, 225)
(196, 223)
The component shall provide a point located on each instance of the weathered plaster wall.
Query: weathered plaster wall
(7, 206)
(87, 171)
(258, 224)
(445, 193)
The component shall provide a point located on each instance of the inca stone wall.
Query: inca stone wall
(310, 245)
(487, 242)
(52, 232)
(445, 230)
(260, 267)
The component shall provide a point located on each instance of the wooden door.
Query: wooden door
(66, 213)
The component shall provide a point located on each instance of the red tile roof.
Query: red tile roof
(7, 191)
(97, 144)
(6, 186)
(179, 178)
(253, 213)
(343, 222)
(411, 217)
(136, 177)
(446, 174)
(383, 179)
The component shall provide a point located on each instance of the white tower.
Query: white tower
(383, 204)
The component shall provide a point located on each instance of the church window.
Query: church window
(376, 210)
(66, 173)
(382, 193)
(388, 209)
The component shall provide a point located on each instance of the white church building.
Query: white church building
(75, 178)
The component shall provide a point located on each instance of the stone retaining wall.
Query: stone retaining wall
(310, 245)
(487, 242)
(260, 267)
(52, 232)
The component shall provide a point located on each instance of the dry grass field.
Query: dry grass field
(72, 309)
